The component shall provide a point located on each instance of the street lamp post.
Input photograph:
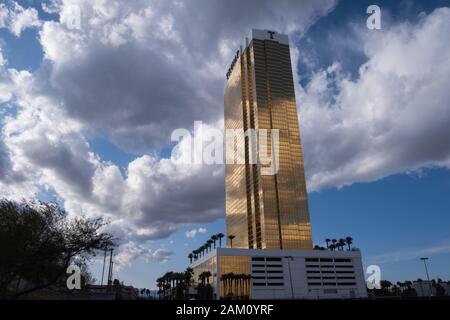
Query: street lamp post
(426, 270)
(289, 258)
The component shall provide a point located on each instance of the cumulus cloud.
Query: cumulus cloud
(51, 6)
(393, 118)
(148, 202)
(192, 233)
(13, 182)
(16, 18)
(134, 71)
(11, 81)
(131, 72)
(131, 250)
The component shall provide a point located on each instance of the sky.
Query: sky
(91, 90)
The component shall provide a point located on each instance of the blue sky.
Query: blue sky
(392, 221)
(397, 209)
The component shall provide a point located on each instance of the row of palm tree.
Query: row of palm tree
(175, 285)
(203, 277)
(335, 244)
(406, 288)
(235, 286)
(204, 290)
(206, 247)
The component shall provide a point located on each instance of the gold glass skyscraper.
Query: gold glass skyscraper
(265, 211)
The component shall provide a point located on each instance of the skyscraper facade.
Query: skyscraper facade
(265, 211)
(266, 201)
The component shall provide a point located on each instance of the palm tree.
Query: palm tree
(214, 238)
(228, 280)
(203, 276)
(332, 247)
(231, 237)
(240, 280)
(349, 241)
(209, 242)
(385, 284)
(159, 284)
(220, 236)
(334, 243)
(341, 243)
(187, 276)
(188, 273)
(233, 283)
(327, 241)
(248, 279)
(190, 256)
(244, 285)
(207, 276)
(181, 286)
(173, 280)
(168, 283)
(224, 280)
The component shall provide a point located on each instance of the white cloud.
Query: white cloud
(51, 6)
(134, 75)
(16, 18)
(4, 14)
(103, 70)
(130, 251)
(411, 254)
(392, 119)
(192, 233)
